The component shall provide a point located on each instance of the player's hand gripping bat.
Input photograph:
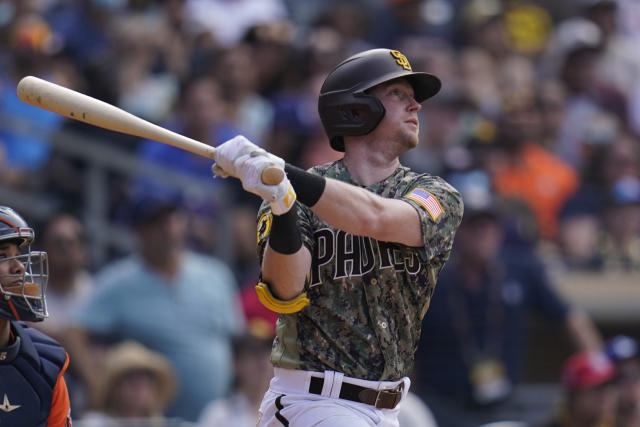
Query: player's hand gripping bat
(77, 106)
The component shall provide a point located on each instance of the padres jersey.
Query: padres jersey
(367, 297)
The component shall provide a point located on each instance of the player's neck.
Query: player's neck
(367, 165)
(5, 332)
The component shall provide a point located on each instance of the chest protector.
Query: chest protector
(29, 370)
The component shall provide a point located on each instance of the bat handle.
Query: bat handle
(272, 176)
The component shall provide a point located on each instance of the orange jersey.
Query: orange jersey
(60, 415)
(542, 180)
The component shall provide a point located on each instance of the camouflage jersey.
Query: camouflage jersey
(367, 297)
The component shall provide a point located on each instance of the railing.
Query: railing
(101, 159)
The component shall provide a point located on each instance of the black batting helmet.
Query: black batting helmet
(346, 86)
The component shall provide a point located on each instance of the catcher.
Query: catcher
(350, 251)
(32, 388)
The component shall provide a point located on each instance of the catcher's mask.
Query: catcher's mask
(23, 273)
(346, 89)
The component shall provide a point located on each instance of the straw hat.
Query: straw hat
(130, 356)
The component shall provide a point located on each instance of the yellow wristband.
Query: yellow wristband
(279, 306)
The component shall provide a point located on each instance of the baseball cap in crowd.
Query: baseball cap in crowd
(586, 370)
(576, 34)
(146, 209)
(528, 25)
(475, 188)
(625, 191)
(621, 347)
(586, 201)
(476, 13)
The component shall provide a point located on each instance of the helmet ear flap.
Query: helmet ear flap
(353, 115)
(346, 114)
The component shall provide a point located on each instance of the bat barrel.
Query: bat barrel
(69, 103)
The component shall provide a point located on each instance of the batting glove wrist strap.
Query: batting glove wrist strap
(308, 187)
(280, 306)
(285, 201)
(249, 168)
(285, 236)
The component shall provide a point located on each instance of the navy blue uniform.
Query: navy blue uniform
(32, 389)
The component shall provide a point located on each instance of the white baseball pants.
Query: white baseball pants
(288, 402)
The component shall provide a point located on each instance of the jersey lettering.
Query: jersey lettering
(346, 256)
(353, 256)
(368, 259)
(323, 240)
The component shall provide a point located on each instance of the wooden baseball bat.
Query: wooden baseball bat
(50, 96)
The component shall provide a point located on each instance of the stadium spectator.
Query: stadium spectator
(589, 393)
(175, 302)
(70, 285)
(578, 241)
(525, 170)
(622, 350)
(579, 46)
(227, 21)
(620, 243)
(245, 108)
(200, 116)
(252, 369)
(470, 356)
(31, 50)
(135, 387)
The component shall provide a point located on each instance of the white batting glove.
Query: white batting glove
(228, 152)
(281, 197)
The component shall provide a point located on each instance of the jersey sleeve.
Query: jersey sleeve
(440, 208)
(60, 415)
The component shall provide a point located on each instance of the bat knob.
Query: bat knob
(272, 176)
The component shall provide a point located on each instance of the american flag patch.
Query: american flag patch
(427, 201)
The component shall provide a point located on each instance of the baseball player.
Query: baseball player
(32, 389)
(352, 263)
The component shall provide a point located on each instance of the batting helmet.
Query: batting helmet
(23, 276)
(346, 86)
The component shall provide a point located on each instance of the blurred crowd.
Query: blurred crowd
(537, 125)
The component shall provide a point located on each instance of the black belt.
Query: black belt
(381, 399)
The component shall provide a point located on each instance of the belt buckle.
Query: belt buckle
(378, 399)
(396, 392)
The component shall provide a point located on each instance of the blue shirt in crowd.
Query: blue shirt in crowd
(190, 321)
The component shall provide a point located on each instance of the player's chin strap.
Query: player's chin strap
(280, 306)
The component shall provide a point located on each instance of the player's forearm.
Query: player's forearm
(357, 210)
(286, 273)
(363, 213)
